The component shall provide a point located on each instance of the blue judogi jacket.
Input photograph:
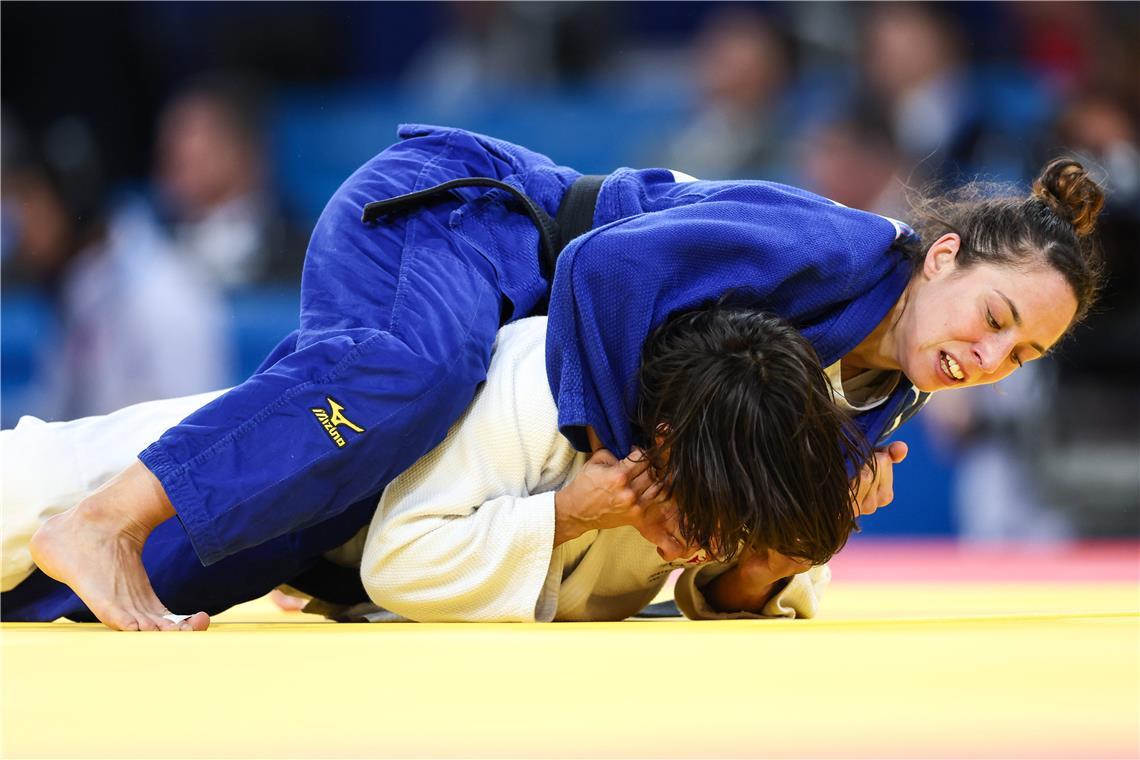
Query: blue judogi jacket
(833, 272)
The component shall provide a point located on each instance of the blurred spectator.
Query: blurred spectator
(213, 176)
(913, 65)
(1090, 450)
(1071, 46)
(743, 66)
(137, 322)
(1100, 127)
(489, 46)
(852, 160)
(1101, 130)
(914, 68)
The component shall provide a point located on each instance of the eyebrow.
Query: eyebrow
(1017, 318)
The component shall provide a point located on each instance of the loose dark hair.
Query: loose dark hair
(741, 429)
(1053, 226)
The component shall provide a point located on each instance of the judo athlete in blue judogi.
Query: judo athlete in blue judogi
(398, 319)
(399, 313)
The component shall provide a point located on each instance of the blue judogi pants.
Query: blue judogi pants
(185, 586)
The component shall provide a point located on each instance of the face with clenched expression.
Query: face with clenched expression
(963, 326)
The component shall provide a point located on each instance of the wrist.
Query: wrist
(566, 525)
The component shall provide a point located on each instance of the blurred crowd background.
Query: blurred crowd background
(163, 163)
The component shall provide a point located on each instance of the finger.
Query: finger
(624, 499)
(884, 495)
(898, 451)
(634, 466)
(642, 484)
(603, 456)
(887, 486)
(637, 454)
(654, 495)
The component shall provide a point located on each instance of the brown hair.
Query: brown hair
(741, 429)
(1054, 225)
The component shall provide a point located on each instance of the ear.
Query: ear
(942, 256)
(660, 433)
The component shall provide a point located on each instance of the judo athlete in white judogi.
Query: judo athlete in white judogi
(506, 521)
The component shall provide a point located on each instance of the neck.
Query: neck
(879, 350)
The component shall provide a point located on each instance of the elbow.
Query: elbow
(375, 574)
(398, 580)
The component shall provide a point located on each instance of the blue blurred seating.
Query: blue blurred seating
(321, 136)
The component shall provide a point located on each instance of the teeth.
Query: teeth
(952, 367)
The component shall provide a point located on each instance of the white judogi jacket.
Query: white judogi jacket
(467, 534)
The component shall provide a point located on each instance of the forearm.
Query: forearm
(567, 523)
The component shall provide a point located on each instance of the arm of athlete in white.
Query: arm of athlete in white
(47, 467)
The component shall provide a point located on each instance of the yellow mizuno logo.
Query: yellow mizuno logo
(332, 418)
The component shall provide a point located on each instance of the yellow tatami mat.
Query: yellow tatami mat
(889, 670)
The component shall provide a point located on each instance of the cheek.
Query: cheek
(927, 332)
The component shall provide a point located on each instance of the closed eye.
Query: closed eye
(991, 321)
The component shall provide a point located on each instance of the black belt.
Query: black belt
(575, 212)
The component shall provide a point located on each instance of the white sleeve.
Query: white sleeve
(457, 537)
(800, 597)
(47, 467)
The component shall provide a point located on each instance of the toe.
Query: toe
(145, 623)
(162, 623)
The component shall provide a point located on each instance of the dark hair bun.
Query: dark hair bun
(1067, 188)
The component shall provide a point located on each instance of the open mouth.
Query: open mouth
(950, 368)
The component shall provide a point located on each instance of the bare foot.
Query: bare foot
(98, 553)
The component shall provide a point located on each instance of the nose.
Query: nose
(990, 354)
(671, 548)
(670, 545)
